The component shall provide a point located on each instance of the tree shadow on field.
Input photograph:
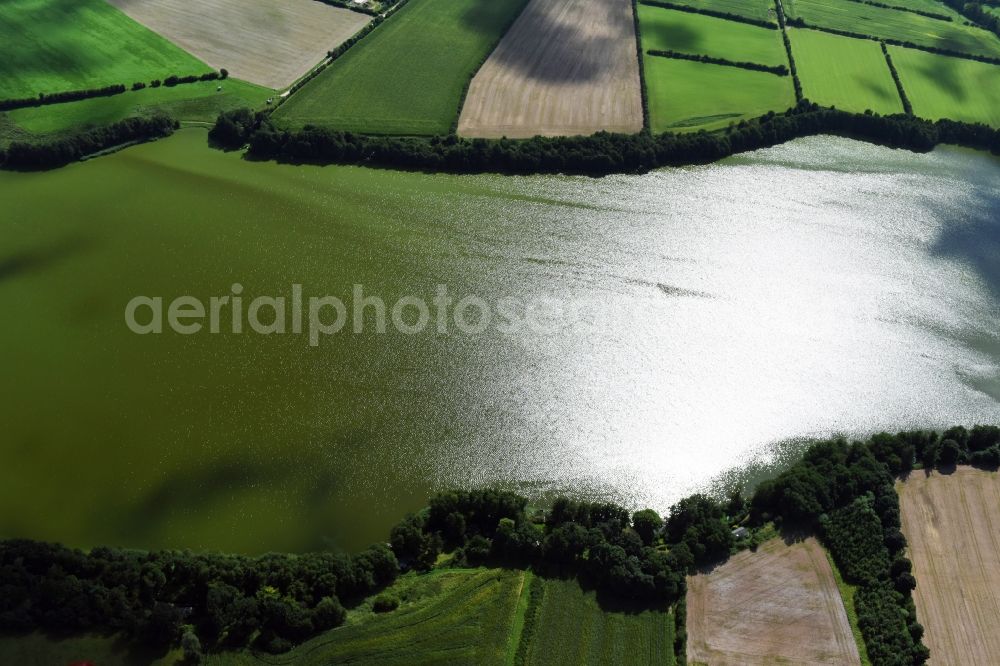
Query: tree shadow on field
(943, 71)
(877, 91)
(568, 54)
(675, 37)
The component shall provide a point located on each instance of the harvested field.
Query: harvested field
(566, 67)
(952, 524)
(778, 605)
(264, 42)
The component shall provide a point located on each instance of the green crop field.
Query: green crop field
(446, 616)
(407, 76)
(690, 96)
(56, 45)
(943, 87)
(850, 74)
(894, 24)
(670, 30)
(762, 10)
(570, 628)
(199, 102)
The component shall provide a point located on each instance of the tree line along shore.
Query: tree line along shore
(841, 491)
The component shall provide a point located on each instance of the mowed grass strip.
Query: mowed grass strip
(894, 24)
(459, 616)
(850, 74)
(762, 10)
(573, 629)
(669, 30)
(687, 96)
(56, 45)
(198, 102)
(952, 525)
(943, 87)
(406, 77)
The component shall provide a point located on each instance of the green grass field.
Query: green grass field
(458, 616)
(407, 76)
(762, 10)
(572, 629)
(850, 74)
(56, 45)
(689, 96)
(669, 30)
(196, 102)
(894, 24)
(943, 87)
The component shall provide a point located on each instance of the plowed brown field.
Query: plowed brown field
(952, 524)
(260, 41)
(565, 67)
(779, 605)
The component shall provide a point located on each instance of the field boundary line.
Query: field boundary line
(778, 70)
(783, 24)
(726, 16)
(643, 93)
(907, 107)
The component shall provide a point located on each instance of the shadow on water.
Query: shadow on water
(975, 240)
(40, 258)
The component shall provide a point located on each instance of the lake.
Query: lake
(724, 315)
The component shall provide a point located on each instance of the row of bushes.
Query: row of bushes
(24, 155)
(799, 23)
(600, 153)
(899, 8)
(60, 97)
(222, 601)
(710, 12)
(107, 91)
(907, 106)
(780, 11)
(643, 93)
(780, 70)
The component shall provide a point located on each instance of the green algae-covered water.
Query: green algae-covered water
(820, 287)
